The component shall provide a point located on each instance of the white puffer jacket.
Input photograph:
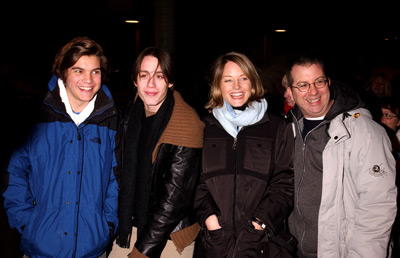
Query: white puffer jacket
(358, 203)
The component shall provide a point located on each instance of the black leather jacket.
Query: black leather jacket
(171, 198)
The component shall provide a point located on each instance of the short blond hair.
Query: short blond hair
(257, 89)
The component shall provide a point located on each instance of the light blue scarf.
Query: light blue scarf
(233, 122)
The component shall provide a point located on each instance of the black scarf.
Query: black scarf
(137, 172)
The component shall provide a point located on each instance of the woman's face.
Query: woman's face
(235, 86)
(390, 119)
(378, 87)
(151, 85)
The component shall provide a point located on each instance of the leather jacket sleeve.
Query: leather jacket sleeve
(177, 169)
(278, 203)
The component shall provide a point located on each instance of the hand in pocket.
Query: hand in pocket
(248, 242)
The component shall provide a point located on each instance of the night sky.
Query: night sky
(355, 40)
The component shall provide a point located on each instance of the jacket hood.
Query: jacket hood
(345, 99)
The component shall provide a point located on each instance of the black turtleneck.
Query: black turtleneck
(309, 125)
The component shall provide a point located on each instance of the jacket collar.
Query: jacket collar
(338, 131)
(104, 101)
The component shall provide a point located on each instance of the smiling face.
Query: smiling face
(151, 84)
(315, 102)
(83, 81)
(235, 86)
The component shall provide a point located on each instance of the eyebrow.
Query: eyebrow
(145, 71)
(228, 75)
(320, 77)
(79, 68)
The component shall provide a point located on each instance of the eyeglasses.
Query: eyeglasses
(388, 115)
(305, 86)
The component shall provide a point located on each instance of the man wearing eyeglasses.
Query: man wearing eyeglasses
(345, 192)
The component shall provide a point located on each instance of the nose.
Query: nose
(88, 77)
(286, 94)
(237, 84)
(312, 90)
(152, 81)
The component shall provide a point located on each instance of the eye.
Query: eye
(243, 78)
(96, 72)
(302, 86)
(320, 82)
(143, 75)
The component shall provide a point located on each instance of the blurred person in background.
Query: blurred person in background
(377, 87)
(288, 99)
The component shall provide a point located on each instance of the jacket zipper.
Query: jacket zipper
(303, 148)
(79, 134)
(234, 189)
(79, 193)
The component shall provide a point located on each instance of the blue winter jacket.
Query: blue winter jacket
(62, 191)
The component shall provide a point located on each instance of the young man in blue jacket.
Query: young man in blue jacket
(62, 191)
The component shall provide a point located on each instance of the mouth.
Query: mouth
(312, 101)
(151, 93)
(86, 88)
(237, 95)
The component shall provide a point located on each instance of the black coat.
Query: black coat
(160, 201)
(249, 176)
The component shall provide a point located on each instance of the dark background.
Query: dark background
(356, 41)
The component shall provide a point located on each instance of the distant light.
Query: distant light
(131, 21)
(386, 39)
(280, 30)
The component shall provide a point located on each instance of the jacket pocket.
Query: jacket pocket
(216, 244)
(248, 241)
(214, 155)
(42, 235)
(29, 228)
(257, 155)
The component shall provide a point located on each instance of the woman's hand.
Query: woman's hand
(256, 226)
(212, 223)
